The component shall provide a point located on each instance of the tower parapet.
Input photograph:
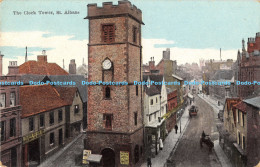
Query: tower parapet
(108, 9)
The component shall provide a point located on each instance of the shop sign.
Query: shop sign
(32, 136)
(86, 153)
(124, 157)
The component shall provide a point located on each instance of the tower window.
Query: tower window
(134, 34)
(108, 120)
(107, 93)
(135, 118)
(136, 90)
(108, 33)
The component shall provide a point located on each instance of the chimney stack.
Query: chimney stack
(42, 58)
(72, 66)
(13, 69)
(1, 64)
(166, 54)
(152, 63)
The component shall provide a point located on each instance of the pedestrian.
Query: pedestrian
(161, 143)
(176, 128)
(149, 162)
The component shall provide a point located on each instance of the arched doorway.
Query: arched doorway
(136, 152)
(108, 156)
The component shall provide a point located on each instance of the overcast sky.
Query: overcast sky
(192, 29)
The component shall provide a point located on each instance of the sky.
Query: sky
(191, 29)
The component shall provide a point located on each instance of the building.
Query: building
(115, 114)
(74, 110)
(222, 89)
(241, 133)
(41, 67)
(172, 109)
(253, 132)
(43, 122)
(72, 67)
(10, 122)
(1, 64)
(155, 107)
(249, 69)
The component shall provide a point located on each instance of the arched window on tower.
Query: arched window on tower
(107, 92)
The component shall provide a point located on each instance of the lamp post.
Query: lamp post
(180, 120)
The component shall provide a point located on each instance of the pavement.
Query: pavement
(225, 162)
(171, 142)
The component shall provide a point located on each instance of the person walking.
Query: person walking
(176, 128)
(149, 162)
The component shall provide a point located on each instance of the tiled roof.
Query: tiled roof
(32, 77)
(67, 93)
(241, 106)
(155, 78)
(38, 99)
(77, 79)
(153, 90)
(253, 101)
(35, 67)
(230, 102)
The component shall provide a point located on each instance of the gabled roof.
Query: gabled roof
(153, 90)
(241, 106)
(38, 99)
(35, 67)
(33, 77)
(253, 101)
(155, 78)
(77, 79)
(67, 93)
(230, 102)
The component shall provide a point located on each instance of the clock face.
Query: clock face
(107, 64)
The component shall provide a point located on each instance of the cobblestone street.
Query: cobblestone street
(188, 152)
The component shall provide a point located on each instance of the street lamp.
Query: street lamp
(180, 120)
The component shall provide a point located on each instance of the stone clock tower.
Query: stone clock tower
(115, 120)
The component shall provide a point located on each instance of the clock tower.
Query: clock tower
(115, 117)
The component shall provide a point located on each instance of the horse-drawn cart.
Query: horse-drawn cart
(193, 111)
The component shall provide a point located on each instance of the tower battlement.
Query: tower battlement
(108, 9)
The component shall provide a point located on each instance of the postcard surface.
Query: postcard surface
(129, 83)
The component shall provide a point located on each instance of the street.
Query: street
(188, 152)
